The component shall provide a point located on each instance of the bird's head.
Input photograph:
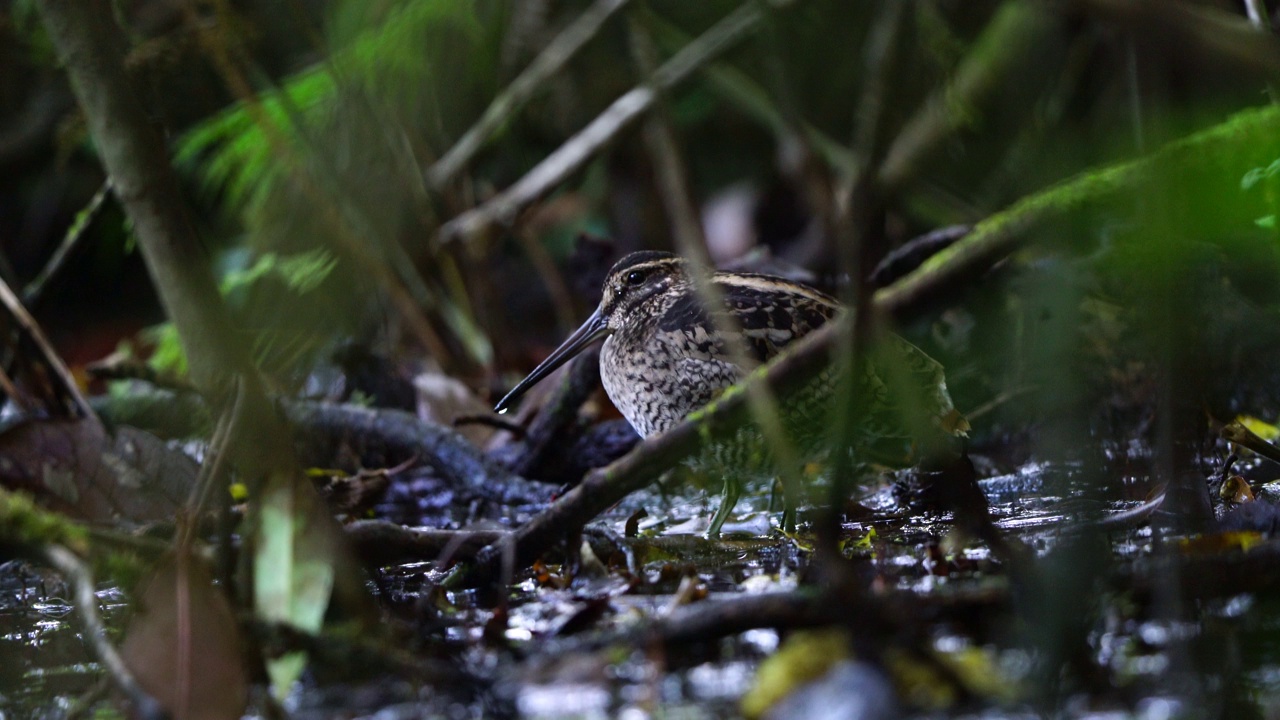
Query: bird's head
(635, 286)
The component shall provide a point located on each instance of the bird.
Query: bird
(665, 356)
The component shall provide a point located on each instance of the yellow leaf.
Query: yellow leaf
(806, 656)
(1220, 542)
(1261, 428)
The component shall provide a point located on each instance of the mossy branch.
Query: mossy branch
(1215, 160)
(24, 523)
(1221, 156)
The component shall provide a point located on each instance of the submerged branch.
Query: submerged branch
(387, 437)
(379, 542)
(380, 438)
(80, 577)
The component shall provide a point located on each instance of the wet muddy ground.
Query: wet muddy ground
(565, 641)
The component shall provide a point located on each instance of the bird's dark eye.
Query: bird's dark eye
(635, 277)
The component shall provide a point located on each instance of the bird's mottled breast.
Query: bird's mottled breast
(657, 375)
(667, 361)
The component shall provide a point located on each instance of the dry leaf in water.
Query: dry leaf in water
(183, 644)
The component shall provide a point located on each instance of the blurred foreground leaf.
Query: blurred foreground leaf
(183, 644)
(293, 571)
(379, 50)
(803, 658)
(78, 468)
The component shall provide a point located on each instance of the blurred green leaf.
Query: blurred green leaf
(168, 355)
(302, 272)
(1258, 174)
(233, 153)
(293, 573)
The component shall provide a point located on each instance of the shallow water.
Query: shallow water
(546, 664)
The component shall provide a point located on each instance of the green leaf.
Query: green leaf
(238, 152)
(1258, 174)
(168, 355)
(302, 272)
(293, 572)
(233, 152)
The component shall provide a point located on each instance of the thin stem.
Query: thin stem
(676, 195)
(34, 290)
(77, 572)
(27, 325)
(521, 90)
(214, 467)
(860, 244)
(604, 129)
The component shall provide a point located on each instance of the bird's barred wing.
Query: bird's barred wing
(917, 383)
(773, 313)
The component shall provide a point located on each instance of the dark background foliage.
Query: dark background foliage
(1123, 150)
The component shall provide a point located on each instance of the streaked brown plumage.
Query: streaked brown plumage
(664, 356)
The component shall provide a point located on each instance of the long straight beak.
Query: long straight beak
(593, 329)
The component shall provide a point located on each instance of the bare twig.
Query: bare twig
(28, 326)
(378, 438)
(1008, 39)
(897, 616)
(742, 91)
(1237, 433)
(385, 437)
(577, 150)
(34, 290)
(673, 185)
(553, 57)
(81, 578)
